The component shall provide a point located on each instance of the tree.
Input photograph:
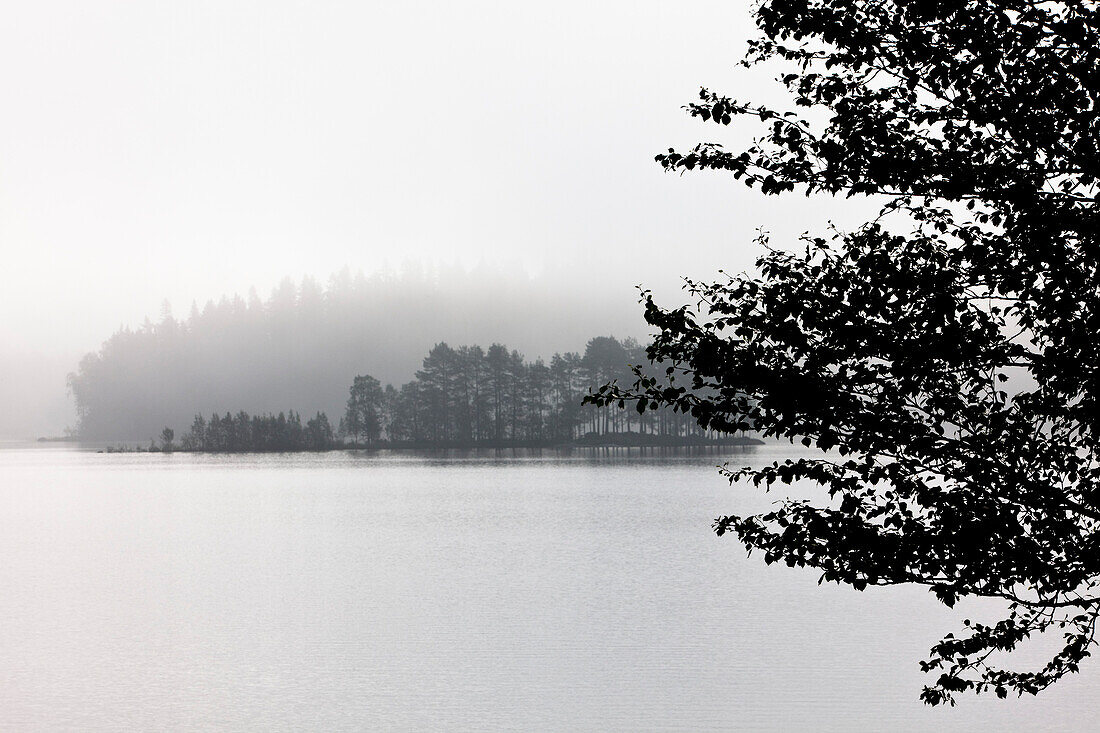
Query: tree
(565, 380)
(364, 409)
(945, 356)
(166, 437)
(195, 439)
(318, 432)
(437, 392)
(497, 362)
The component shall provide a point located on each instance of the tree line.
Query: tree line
(465, 397)
(240, 433)
(301, 345)
(473, 396)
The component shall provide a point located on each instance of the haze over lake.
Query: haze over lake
(500, 590)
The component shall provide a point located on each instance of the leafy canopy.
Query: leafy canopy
(975, 124)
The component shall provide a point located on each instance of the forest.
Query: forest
(467, 397)
(302, 345)
(238, 433)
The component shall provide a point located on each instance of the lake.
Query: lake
(356, 591)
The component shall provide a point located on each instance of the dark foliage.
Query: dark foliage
(260, 433)
(464, 397)
(890, 347)
(472, 396)
(363, 417)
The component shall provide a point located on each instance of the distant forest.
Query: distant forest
(466, 397)
(302, 346)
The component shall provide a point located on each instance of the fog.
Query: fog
(300, 348)
(188, 151)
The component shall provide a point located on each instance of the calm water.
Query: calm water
(357, 592)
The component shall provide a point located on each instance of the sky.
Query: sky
(186, 150)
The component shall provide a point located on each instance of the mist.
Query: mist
(300, 347)
(184, 153)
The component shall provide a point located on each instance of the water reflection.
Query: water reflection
(485, 590)
(588, 454)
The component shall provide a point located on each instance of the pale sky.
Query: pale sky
(184, 150)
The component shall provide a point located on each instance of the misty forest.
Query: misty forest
(308, 344)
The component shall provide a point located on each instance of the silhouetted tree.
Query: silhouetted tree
(604, 360)
(166, 437)
(259, 433)
(364, 410)
(890, 346)
(318, 433)
(498, 382)
(437, 391)
(537, 391)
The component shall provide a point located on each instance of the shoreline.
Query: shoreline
(656, 442)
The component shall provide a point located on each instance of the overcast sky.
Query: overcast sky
(188, 149)
(183, 150)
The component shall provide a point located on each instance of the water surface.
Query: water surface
(355, 591)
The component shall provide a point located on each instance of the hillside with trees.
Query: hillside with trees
(463, 398)
(303, 345)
